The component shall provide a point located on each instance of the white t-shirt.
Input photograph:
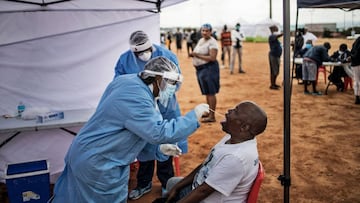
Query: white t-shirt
(230, 169)
(237, 35)
(203, 47)
(309, 36)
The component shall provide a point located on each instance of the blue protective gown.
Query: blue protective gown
(128, 63)
(97, 162)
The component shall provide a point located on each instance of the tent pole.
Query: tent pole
(293, 58)
(285, 178)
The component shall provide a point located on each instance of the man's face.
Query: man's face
(233, 120)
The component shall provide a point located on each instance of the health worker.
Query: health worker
(133, 61)
(97, 164)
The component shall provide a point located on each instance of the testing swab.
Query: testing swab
(217, 112)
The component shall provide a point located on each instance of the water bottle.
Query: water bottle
(20, 108)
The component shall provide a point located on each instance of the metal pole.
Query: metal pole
(285, 178)
(270, 9)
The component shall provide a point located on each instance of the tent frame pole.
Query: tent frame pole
(285, 178)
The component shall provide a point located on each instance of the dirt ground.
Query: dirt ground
(325, 131)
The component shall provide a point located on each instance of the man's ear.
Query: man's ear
(245, 127)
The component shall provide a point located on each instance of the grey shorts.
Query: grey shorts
(309, 70)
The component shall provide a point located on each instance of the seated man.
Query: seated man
(230, 169)
(343, 56)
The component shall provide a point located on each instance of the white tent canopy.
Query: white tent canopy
(61, 56)
(259, 29)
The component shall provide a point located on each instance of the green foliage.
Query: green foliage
(256, 39)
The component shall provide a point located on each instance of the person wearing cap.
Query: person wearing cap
(312, 60)
(133, 61)
(207, 69)
(236, 37)
(97, 164)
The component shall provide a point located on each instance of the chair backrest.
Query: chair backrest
(255, 188)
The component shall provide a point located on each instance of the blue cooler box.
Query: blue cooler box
(28, 182)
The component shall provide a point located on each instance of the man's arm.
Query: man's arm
(188, 180)
(200, 193)
(210, 57)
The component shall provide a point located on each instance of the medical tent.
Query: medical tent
(345, 5)
(60, 55)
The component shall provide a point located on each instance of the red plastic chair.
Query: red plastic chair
(177, 165)
(255, 188)
(321, 69)
(135, 165)
(347, 82)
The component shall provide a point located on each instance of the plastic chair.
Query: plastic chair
(177, 165)
(255, 188)
(321, 69)
(347, 82)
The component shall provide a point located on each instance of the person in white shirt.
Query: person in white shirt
(231, 167)
(236, 37)
(308, 36)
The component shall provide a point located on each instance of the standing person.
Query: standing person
(355, 64)
(133, 61)
(169, 40)
(195, 37)
(162, 40)
(225, 45)
(274, 55)
(299, 42)
(308, 36)
(189, 42)
(229, 170)
(314, 58)
(237, 37)
(126, 119)
(300, 54)
(178, 39)
(207, 68)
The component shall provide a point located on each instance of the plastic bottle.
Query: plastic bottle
(20, 108)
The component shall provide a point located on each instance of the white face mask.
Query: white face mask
(166, 94)
(145, 56)
(341, 52)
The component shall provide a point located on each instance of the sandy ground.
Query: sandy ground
(325, 131)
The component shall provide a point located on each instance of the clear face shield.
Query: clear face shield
(171, 78)
(171, 81)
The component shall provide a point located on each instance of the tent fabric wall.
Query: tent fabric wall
(37, 145)
(57, 69)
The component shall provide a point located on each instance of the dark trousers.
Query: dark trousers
(164, 171)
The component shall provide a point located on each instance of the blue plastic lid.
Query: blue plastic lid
(26, 167)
